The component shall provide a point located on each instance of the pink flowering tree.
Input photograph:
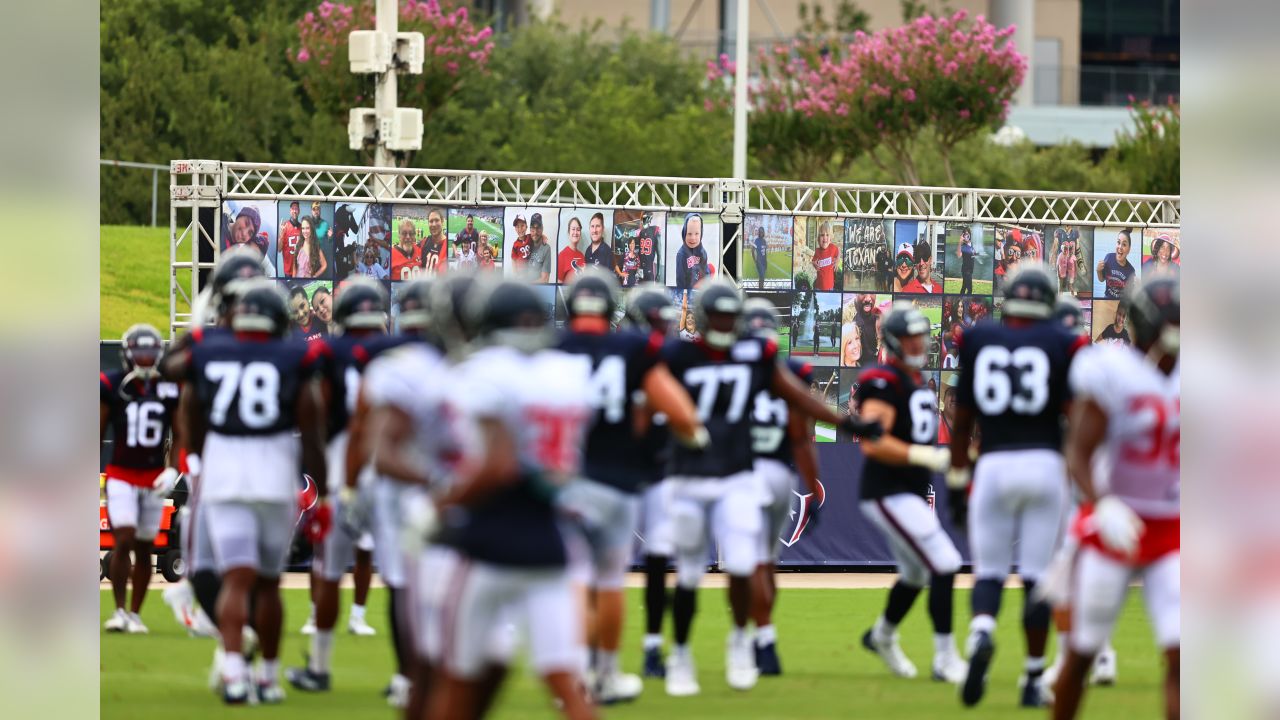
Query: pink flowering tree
(941, 79)
(456, 49)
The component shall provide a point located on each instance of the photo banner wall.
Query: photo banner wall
(830, 279)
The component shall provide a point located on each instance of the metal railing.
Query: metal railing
(155, 179)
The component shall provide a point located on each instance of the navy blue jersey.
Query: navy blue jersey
(620, 361)
(343, 365)
(251, 386)
(915, 421)
(515, 526)
(140, 413)
(722, 385)
(770, 417)
(1015, 380)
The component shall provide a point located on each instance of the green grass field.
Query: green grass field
(778, 262)
(133, 273)
(827, 673)
(458, 222)
(980, 287)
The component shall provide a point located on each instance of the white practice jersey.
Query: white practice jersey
(416, 379)
(543, 398)
(1140, 460)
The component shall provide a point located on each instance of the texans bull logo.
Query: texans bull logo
(800, 518)
(578, 264)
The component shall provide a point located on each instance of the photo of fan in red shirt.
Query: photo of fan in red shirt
(826, 258)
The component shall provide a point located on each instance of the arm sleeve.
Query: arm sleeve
(106, 390)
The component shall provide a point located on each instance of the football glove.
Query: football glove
(164, 483)
(353, 510)
(857, 427)
(958, 478)
(1118, 525)
(318, 523)
(933, 459)
(700, 439)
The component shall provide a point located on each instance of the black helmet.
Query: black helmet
(650, 308)
(262, 307)
(593, 293)
(760, 318)
(1153, 309)
(1068, 313)
(141, 348)
(1029, 293)
(507, 312)
(721, 297)
(448, 306)
(241, 262)
(414, 305)
(361, 305)
(903, 320)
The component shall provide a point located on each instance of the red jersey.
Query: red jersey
(568, 264)
(520, 249)
(406, 266)
(290, 239)
(825, 262)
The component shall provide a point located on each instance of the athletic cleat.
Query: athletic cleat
(358, 626)
(134, 625)
(653, 665)
(397, 692)
(309, 627)
(182, 602)
(682, 678)
(235, 692)
(740, 664)
(248, 643)
(767, 661)
(891, 653)
(118, 622)
(980, 648)
(1033, 693)
(270, 693)
(617, 687)
(1104, 668)
(949, 667)
(306, 680)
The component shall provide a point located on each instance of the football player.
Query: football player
(1127, 410)
(894, 490)
(253, 392)
(783, 445)
(604, 503)
(1013, 384)
(714, 489)
(139, 407)
(650, 310)
(1068, 312)
(361, 318)
(212, 309)
(498, 513)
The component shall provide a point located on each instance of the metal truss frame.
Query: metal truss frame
(203, 184)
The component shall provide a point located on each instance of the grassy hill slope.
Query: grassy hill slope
(134, 278)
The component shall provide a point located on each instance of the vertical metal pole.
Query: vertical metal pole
(659, 15)
(740, 93)
(155, 185)
(387, 23)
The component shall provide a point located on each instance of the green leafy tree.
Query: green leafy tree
(1151, 154)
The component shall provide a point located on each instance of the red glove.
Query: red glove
(318, 523)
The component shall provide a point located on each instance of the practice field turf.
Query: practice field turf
(458, 223)
(980, 287)
(827, 673)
